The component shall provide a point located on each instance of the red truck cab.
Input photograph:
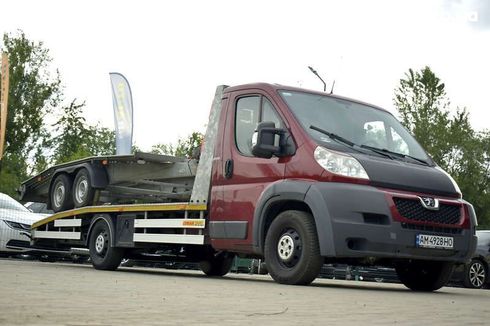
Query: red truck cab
(294, 176)
(303, 177)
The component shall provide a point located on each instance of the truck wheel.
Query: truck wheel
(475, 274)
(103, 255)
(291, 249)
(217, 265)
(83, 192)
(61, 193)
(424, 276)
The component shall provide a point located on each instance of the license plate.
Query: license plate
(434, 241)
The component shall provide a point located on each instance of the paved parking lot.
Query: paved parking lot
(70, 294)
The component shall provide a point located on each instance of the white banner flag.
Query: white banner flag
(123, 113)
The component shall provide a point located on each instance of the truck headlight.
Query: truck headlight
(339, 163)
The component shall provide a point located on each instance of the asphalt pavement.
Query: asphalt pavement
(37, 293)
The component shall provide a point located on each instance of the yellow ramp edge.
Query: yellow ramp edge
(121, 209)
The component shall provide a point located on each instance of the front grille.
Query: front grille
(18, 243)
(430, 228)
(413, 210)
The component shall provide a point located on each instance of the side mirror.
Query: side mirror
(263, 141)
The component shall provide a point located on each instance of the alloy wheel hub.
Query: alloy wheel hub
(477, 274)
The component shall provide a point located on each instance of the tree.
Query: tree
(75, 139)
(34, 91)
(186, 147)
(454, 145)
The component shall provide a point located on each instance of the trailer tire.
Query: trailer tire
(60, 194)
(83, 192)
(291, 250)
(102, 254)
(424, 276)
(217, 265)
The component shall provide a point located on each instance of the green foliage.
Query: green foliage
(35, 95)
(186, 147)
(449, 138)
(163, 149)
(34, 91)
(77, 140)
(12, 173)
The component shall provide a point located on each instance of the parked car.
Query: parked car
(15, 225)
(475, 273)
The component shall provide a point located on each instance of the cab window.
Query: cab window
(250, 111)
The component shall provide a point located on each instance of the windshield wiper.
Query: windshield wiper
(333, 136)
(379, 151)
(389, 153)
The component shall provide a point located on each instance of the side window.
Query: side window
(269, 113)
(247, 118)
(249, 112)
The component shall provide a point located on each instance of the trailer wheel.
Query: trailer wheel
(217, 265)
(103, 255)
(291, 249)
(424, 276)
(61, 193)
(83, 192)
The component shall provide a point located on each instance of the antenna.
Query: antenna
(316, 74)
(333, 85)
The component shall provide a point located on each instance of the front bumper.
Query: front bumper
(360, 221)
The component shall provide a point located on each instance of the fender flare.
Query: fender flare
(293, 191)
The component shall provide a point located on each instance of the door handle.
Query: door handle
(228, 168)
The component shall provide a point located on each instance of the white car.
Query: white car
(15, 225)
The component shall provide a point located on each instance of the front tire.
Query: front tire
(475, 274)
(291, 249)
(83, 192)
(61, 193)
(217, 265)
(424, 276)
(102, 254)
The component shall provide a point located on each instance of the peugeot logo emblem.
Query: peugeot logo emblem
(430, 203)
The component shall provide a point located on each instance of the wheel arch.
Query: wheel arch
(292, 195)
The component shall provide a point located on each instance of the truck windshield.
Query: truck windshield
(358, 123)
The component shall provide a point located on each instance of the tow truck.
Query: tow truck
(293, 176)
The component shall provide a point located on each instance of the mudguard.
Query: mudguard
(293, 191)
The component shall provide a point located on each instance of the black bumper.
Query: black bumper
(356, 221)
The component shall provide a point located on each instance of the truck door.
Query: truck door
(244, 176)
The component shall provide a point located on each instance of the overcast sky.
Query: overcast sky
(174, 53)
